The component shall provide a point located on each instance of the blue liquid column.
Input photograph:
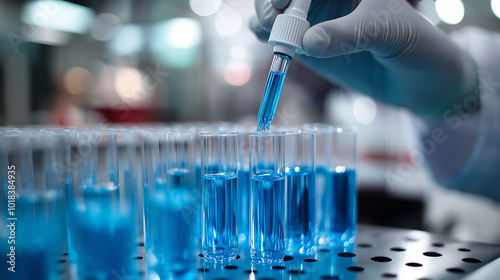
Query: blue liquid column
(103, 228)
(243, 206)
(299, 192)
(169, 192)
(267, 158)
(199, 194)
(272, 92)
(219, 167)
(336, 185)
(32, 181)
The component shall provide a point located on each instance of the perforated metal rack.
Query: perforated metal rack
(379, 253)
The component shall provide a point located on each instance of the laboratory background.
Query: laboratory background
(154, 63)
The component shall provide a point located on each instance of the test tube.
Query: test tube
(169, 203)
(153, 174)
(103, 229)
(32, 204)
(299, 192)
(336, 185)
(71, 163)
(219, 168)
(128, 142)
(200, 127)
(243, 207)
(267, 205)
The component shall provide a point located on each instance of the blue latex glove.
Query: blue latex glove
(382, 48)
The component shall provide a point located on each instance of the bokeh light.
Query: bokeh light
(495, 7)
(237, 73)
(182, 32)
(128, 40)
(104, 26)
(450, 11)
(175, 42)
(205, 7)
(364, 109)
(177, 32)
(58, 15)
(128, 84)
(77, 80)
(228, 22)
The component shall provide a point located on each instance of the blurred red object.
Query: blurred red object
(129, 115)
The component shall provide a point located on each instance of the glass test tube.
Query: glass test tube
(128, 142)
(103, 228)
(299, 192)
(200, 127)
(32, 203)
(199, 198)
(72, 163)
(267, 159)
(153, 174)
(169, 202)
(243, 207)
(219, 168)
(336, 185)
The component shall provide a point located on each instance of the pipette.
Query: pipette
(286, 37)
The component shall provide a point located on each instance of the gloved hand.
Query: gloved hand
(382, 48)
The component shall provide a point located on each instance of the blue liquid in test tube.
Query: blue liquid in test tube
(99, 225)
(243, 204)
(32, 197)
(36, 251)
(198, 222)
(145, 212)
(168, 189)
(220, 241)
(340, 215)
(267, 197)
(178, 178)
(300, 210)
(219, 183)
(335, 156)
(170, 230)
(268, 218)
(344, 198)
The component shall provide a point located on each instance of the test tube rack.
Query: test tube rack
(379, 253)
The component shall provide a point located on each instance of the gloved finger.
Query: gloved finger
(258, 29)
(332, 38)
(372, 26)
(266, 13)
(280, 4)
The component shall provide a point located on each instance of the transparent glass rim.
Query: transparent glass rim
(267, 133)
(296, 131)
(345, 129)
(218, 133)
(325, 128)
